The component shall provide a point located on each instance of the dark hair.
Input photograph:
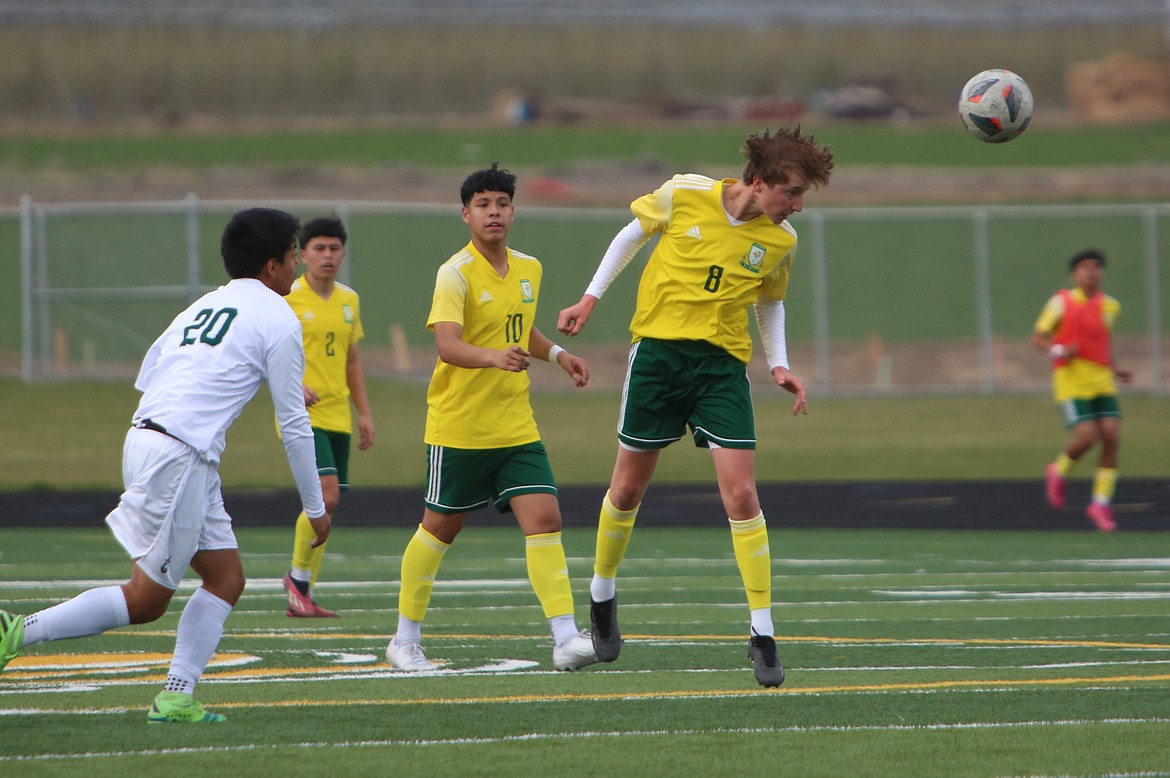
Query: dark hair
(775, 157)
(1081, 256)
(491, 180)
(254, 236)
(323, 226)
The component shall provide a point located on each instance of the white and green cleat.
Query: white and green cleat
(179, 708)
(11, 636)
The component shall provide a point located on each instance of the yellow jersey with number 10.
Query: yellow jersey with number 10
(328, 329)
(483, 407)
(707, 270)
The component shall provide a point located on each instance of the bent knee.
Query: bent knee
(229, 589)
(144, 608)
(626, 497)
(742, 503)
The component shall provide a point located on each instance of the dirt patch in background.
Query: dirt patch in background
(598, 185)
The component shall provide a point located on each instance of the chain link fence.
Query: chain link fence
(882, 300)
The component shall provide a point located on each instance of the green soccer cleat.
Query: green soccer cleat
(11, 636)
(179, 708)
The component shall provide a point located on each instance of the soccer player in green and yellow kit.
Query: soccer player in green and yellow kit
(724, 247)
(331, 326)
(483, 445)
(1076, 329)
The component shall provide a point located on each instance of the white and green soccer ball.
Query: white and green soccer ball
(996, 106)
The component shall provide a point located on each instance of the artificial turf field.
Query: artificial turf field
(909, 653)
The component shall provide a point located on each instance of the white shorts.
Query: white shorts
(172, 506)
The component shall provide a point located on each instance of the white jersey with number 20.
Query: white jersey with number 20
(205, 367)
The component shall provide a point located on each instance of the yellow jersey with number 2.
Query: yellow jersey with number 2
(481, 408)
(328, 329)
(707, 269)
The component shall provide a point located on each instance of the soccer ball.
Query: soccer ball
(996, 106)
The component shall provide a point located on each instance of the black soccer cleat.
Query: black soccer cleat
(762, 652)
(607, 638)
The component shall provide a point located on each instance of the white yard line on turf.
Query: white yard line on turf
(537, 736)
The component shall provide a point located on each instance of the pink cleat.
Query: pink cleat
(1055, 487)
(1102, 516)
(302, 605)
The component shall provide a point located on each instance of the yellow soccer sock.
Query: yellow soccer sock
(549, 573)
(614, 528)
(1104, 484)
(304, 557)
(750, 541)
(420, 565)
(1064, 465)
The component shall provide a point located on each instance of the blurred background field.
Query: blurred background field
(173, 63)
(68, 435)
(882, 300)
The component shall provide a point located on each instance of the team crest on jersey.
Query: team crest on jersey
(347, 312)
(526, 291)
(754, 258)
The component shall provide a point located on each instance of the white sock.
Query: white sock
(89, 613)
(564, 628)
(408, 629)
(602, 589)
(297, 574)
(200, 628)
(762, 622)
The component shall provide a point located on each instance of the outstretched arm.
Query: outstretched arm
(621, 250)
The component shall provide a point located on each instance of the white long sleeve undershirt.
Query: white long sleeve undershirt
(770, 318)
(621, 250)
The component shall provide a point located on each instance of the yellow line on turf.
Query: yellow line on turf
(284, 635)
(661, 695)
(700, 693)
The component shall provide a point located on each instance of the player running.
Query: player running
(724, 247)
(195, 380)
(1076, 330)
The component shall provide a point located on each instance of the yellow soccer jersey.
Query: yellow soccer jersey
(1080, 379)
(707, 271)
(483, 407)
(328, 329)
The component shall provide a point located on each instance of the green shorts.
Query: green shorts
(462, 479)
(1079, 410)
(332, 454)
(675, 384)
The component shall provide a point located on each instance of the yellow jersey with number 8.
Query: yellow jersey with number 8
(707, 269)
